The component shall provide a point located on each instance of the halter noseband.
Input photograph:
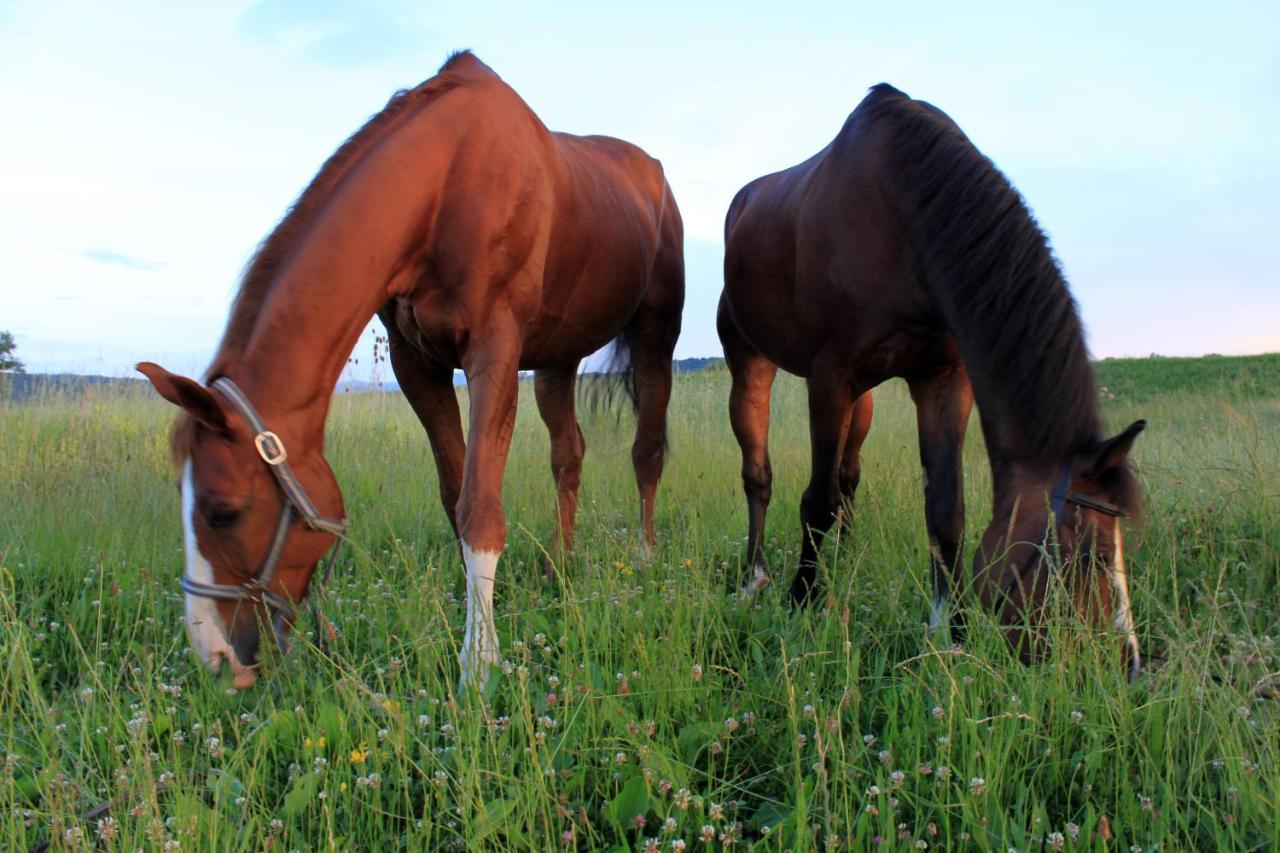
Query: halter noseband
(295, 501)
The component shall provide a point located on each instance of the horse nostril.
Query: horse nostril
(244, 645)
(215, 661)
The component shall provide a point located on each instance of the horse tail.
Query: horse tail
(615, 380)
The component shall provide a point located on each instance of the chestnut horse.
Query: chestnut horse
(484, 242)
(899, 250)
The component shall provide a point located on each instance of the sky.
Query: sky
(147, 148)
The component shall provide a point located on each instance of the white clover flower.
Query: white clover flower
(107, 829)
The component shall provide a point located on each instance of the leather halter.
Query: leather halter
(1062, 495)
(295, 502)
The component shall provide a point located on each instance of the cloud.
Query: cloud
(335, 34)
(104, 256)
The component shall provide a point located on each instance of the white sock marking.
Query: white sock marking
(939, 618)
(205, 628)
(759, 580)
(480, 642)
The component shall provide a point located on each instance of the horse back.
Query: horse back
(817, 267)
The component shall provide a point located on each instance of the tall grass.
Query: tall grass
(641, 701)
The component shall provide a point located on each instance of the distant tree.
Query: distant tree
(9, 363)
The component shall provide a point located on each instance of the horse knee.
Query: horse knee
(757, 480)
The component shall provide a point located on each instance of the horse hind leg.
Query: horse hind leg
(651, 338)
(554, 390)
(851, 458)
(752, 386)
(428, 387)
(943, 402)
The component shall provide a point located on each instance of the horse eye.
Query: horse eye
(220, 518)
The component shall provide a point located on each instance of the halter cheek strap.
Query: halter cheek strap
(1060, 497)
(1063, 495)
(296, 503)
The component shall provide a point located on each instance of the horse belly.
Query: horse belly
(570, 326)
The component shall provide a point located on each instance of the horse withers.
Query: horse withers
(484, 242)
(899, 250)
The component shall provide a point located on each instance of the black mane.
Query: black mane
(1000, 291)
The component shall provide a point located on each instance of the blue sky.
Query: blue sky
(149, 147)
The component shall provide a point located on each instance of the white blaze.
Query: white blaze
(1123, 616)
(480, 642)
(204, 624)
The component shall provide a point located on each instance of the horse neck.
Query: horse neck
(1011, 472)
(301, 341)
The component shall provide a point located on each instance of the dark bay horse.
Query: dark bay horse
(484, 242)
(899, 250)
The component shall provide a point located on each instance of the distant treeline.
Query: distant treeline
(24, 386)
(1227, 376)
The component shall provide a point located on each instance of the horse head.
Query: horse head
(256, 518)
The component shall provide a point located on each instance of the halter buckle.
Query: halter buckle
(270, 448)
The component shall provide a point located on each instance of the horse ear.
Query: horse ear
(187, 394)
(1114, 451)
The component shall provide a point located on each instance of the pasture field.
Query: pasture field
(643, 704)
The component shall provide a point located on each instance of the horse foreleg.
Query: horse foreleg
(554, 392)
(943, 402)
(492, 380)
(830, 410)
(752, 386)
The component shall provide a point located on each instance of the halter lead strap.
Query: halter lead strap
(296, 501)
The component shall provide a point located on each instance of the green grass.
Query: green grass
(640, 686)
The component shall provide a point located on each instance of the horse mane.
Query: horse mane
(990, 272)
(461, 67)
(273, 252)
